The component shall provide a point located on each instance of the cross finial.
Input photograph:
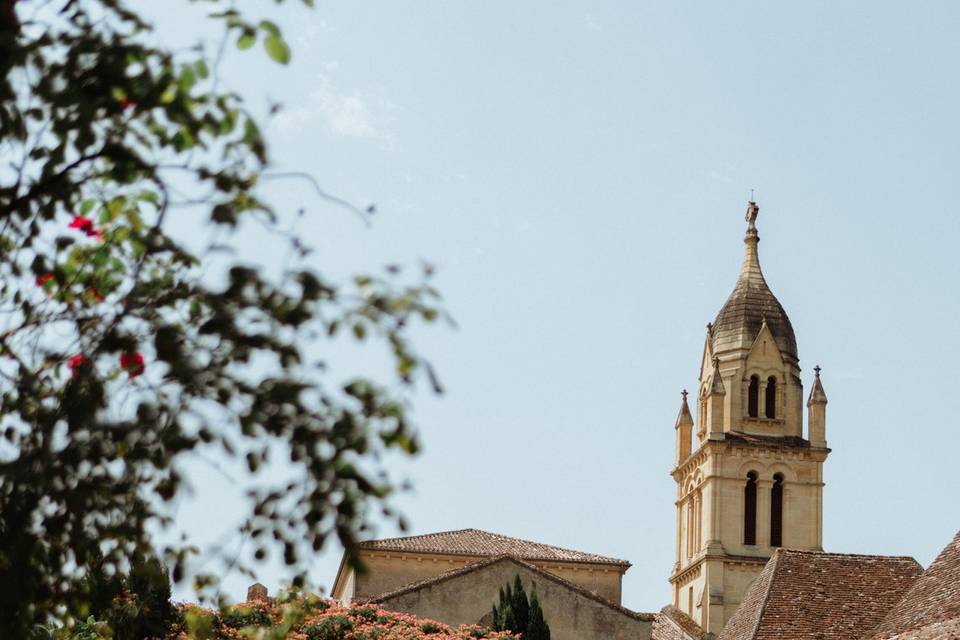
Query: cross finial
(684, 394)
(816, 371)
(716, 362)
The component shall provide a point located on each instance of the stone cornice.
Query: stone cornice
(712, 447)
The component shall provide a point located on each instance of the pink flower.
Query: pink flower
(86, 225)
(45, 278)
(76, 363)
(132, 363)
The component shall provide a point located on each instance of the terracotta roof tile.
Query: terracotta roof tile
(474, 542)
(812, 595)
(673, 624)
(932, 605)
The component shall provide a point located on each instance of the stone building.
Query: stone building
(747, 480)
(393, 563)
(572, 611)
(749, 562)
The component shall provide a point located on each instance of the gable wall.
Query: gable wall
(388, 572)
(469, 598)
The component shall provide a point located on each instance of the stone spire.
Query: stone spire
(715, 399)
(817, 412)
(683, 426)
(739, 321)
(716, 380)
(817, 394)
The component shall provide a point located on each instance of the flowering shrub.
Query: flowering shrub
(315, 619)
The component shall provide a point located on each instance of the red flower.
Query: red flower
(76, 362)
(132, 363)
(127, 103)
(45, 278)
(86, 225)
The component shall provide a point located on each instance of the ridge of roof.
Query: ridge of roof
(684, 623)
(843, 554)
(470, 542)
(775, 562)
(475, 566)
(931, 604)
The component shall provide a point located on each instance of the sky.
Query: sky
(578, 173)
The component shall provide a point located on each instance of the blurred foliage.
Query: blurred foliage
(292, 616)
(119, 360)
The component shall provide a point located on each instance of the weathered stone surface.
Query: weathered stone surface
(395, 562)
(467, 595)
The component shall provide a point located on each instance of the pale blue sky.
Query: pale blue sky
(578, 172)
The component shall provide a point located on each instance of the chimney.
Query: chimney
(256, 592)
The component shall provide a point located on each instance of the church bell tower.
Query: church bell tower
(747, 480)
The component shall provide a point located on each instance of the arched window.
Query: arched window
(771, 398)
(753, 400)
(750, 509)
(776, 511)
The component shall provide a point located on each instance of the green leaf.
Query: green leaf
(201, 68)
(246, 39)
(270, 27)
(277, 48)
(187, 79)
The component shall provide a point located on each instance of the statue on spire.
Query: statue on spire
(752, 212)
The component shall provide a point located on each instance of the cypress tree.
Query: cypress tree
(517, 614)
(504, 618)
(537, 628)
(521, 606)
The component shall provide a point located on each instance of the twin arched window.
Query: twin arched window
(770, 398)
(750, 510)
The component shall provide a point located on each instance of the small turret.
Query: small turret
(715, 398)
(683, 426)
(817, 412)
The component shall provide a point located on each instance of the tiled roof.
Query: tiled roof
(673, 624)
(473, 542)
(931, 607)
(803, 595)
(754, 440)
(443, 577)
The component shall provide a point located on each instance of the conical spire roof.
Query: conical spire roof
(751, 303)
(684, 418)
(817, 394)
